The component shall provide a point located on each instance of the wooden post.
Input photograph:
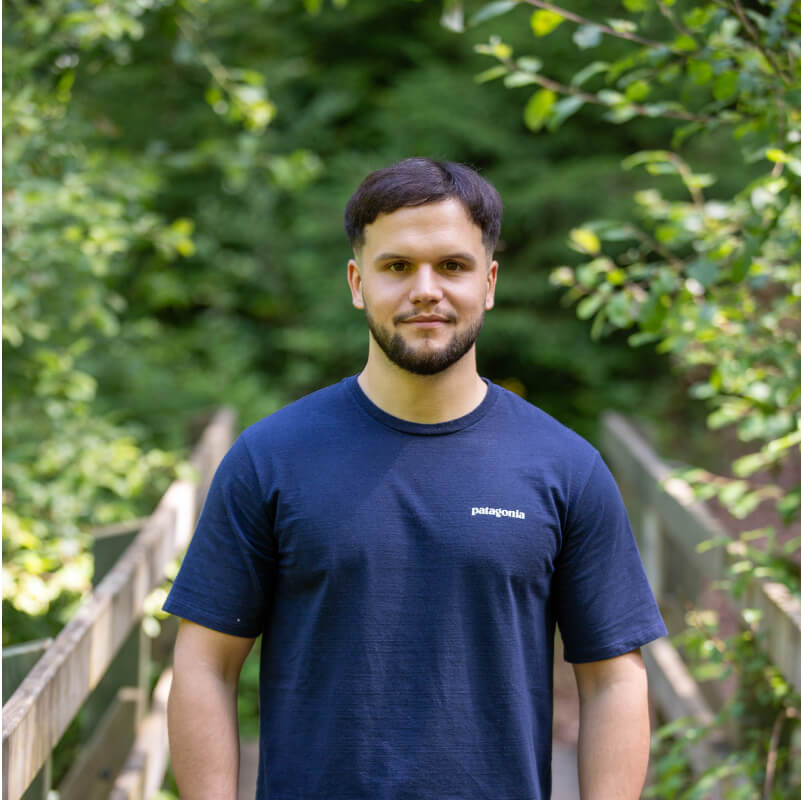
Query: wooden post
(651, 546)
(93, 773)
(144, 769)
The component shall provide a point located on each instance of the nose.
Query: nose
(425, 286)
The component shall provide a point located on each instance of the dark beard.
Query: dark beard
(398, 351)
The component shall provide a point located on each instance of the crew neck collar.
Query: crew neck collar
(422, 428)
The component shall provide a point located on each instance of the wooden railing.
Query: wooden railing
(106, 630)
(670, 525)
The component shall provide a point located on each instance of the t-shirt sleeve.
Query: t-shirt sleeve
(226, 578)
(604, 606)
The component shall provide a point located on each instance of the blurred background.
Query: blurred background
(175, 173)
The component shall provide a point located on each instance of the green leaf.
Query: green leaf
(622, 25)
(638, 91)
(685, 44)
(588, 306)
(583, 75)
(641, 338)
(495, 48)
(704, 271)
(747, 465)
(587, 36)
(544, 21)
(646, 157)
(498, 71)
(492, 10)
(711, 544)
(519, 79)
(538, 109)
(563, 109)
(790, 504)
(725, 85)
(610, 97)
(699, 71)
(529, 64)
(621, 113)
(586, 241)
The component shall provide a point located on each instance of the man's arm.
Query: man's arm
(614, 727)
(201, 713)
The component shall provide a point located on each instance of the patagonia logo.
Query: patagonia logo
(485, 511)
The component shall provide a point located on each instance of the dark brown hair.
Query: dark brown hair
(417, 181)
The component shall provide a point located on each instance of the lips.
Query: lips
(424, 319)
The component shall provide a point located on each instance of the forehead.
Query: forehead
(444, 224)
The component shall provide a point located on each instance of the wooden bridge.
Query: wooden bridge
(103, 664)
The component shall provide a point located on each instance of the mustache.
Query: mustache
(450, 316)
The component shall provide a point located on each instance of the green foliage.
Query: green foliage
(175, 174)
(762, 716)
(707, 267)
(714, 280)
(73, 216)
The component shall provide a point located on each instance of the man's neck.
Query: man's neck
(428, 399)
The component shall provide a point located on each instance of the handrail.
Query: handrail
(39, 711)
(672, 513)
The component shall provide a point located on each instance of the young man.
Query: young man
(406, 542)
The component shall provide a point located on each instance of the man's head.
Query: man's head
(419, 181)
(423, 235)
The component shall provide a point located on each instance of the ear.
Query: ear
(492, 277)
(355, 283)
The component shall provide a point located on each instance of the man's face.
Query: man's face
(424, 280)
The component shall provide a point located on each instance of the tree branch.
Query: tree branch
(587, 97)
(754, 36)
(563, 12)
(671, 18)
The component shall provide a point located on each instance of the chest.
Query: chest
(419, 506)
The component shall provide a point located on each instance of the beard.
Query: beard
(428, 362)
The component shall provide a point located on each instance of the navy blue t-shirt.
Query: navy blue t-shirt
(407, 579)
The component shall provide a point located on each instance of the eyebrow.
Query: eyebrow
(448, 257)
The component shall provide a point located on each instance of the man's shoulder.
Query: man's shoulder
(532, 425)
(304, 417)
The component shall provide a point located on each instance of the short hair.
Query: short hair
(416, 182)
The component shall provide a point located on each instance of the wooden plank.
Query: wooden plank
(686, 520)
(92, 775)
(116, 529)
(687, 524)
(213, 445)
(18, 660)
(651, 546)
(46, 701)
(129, 667)
(143, 773)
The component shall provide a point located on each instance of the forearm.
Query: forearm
(204, 736)
(614, 741)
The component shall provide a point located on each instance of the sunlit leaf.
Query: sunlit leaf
(538, 109)
(544, 21)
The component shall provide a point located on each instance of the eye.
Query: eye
(396, 266)
(452, 266)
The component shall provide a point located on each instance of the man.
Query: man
(406, 541)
